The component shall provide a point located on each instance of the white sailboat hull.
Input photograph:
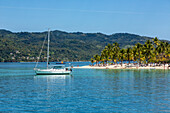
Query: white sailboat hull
(52, 72)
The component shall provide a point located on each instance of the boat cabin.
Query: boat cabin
(58, 66)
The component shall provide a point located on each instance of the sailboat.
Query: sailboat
(54, 69)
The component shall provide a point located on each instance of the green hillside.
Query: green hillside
(25, 46)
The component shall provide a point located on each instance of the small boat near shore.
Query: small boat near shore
(54, 69)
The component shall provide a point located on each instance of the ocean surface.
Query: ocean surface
(86, 90)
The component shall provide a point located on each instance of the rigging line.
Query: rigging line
(40, 52)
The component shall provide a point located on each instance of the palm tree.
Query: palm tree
(148, 50)
(167, 51)
(139, 52)
(128, 54)
(102, 59)
(134, 53)
(109, 48)
(105, 55)
(92, 61)
(115, 52)
(155, 51)
(97, 58)
(163, 52)
(160, 50)
(156, 41)
(121, 55)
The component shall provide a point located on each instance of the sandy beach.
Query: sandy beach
(122, 67)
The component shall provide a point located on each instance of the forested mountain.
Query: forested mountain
(25, 46)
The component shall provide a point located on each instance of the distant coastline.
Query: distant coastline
(65, 46)
(118, 66)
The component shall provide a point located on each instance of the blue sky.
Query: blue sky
(143, 17)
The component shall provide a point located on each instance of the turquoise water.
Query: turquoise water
(87, 90)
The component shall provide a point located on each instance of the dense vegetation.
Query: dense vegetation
(25, 46)
(154, 51)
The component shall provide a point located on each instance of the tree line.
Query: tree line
(64, 46)
(152, 51)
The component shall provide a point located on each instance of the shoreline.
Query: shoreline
(120, 67)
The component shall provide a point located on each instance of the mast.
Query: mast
(48, 47)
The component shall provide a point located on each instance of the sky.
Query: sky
(143, 17)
